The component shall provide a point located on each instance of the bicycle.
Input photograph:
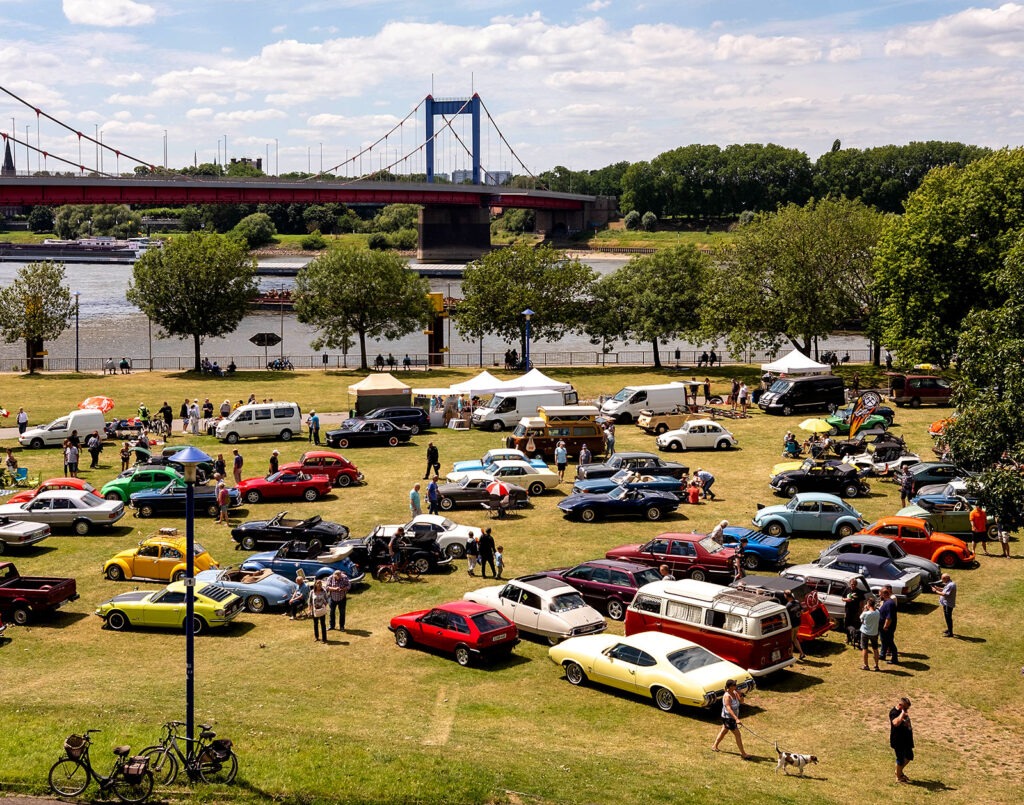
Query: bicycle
(129, 779)
(402, 568)
(211, 761)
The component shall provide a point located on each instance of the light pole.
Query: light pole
(527, 314)
(76, 332)
(190, 458)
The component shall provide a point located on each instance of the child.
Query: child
(693, 492)
(499, 561)
(472, 553)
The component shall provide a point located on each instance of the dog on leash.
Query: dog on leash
(787, 759)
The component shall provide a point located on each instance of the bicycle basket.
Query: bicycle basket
(221, 749)
(74, 746)
(135, 767)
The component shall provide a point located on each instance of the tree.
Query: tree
(649, 221)
(356, 292)
(198, 286)
(396, 216)
(36, 307)
(499, 286)
(789, 274)
(40, 219)
(256, 230)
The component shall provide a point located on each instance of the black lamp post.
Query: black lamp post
(76, 332)
(527, 314)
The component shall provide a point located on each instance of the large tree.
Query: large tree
(789, 275)
(36, 307)
(363, 293)
(198, 286)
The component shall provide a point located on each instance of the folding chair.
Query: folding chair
(21, 477)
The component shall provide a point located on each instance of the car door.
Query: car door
(40, 511)
(64, 511)
(508, 600)
(433, 630)
(696, 437)
(912, 538)
(530, 613)
(146, 561)
(170, 558)
(829, 514)
(807, 515)
(167, 610)
(710, 436)
(584, 579)
(682, 557)
(617, 667)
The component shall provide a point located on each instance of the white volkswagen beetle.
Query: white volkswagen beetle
(697, 434)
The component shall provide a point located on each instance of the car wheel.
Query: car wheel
(626, 418)
(82, 527)
(198, 625)
(664, 699)
(653, 513)
(574, 673)
(588, 515)
(393, 441)
(790, 491)
(252, 496)
(674, 446)
(420, 565)
(112, 496)
(402, 637)
(146, 511)
(117, 621)
(697, 574)
(315, 546)
(947, 559)
(343, 480)
(414, 429)
(851, 491)
(616, 611)
(447, 504)
(343, 443)
(177, 575)
(310, 495)
(915, 402)
(256, 603)
(993, 533)
(774, 529)
(20, 616)
(662, 428)
(497, 425)
(249, 543)
(115, 573)
(751, 561)
(787, 410)
(536, 488)
(456, 550)
(462, 656)
(212, 510)
(286, 435)
(844, 530)
(724, 444)
(231, 438)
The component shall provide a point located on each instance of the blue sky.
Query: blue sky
(579, 83)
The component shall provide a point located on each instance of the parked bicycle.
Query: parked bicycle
(404, 568)
(206, 758)
(130, 778)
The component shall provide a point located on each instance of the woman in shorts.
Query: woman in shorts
(731, 702)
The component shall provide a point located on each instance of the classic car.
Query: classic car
(472, 492)
(917, 537)
(928, 472)
(497, 454)
(160, 558)
(811, 513)
(258, 591)
(314, 531)
(403, 416)
(815, 620)
(884, 462)
(542, 606)
(51, 485)
(294, 556)
(215, 606)
(829, 585)
(697, 434)
(25, 598)
(630, 480)
(139, 478)
(953, 496)
(954, 522)
(467, 630)
(339, 469)
(422, 552)
(694, 555)
(76, 509)
(368, 433)
(170, 500)
(620, 502)
(534, 479)
(840, 420)
(607, 584)
(664, 667)
(658, 423)
(878, 570)
(644, 463)
(758, 549)
(165, 458)
(841, 479)
(21, 533)
(450, 535)
(804, 464)
(888, 548)
(284, 485)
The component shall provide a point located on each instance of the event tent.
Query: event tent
(483, 383)
(376, 390)
(795, 363)
(535, 379)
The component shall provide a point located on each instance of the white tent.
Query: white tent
(483, 383)
(795, 363)
(534, 379)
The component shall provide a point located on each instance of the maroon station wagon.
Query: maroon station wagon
(696, 556)
(339, 469)
(606, 584)
(462, 628)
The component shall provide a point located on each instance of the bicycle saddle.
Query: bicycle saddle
(122, 751)
(207, 734)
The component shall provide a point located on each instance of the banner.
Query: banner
(862, 409)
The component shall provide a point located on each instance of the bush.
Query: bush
(378, 241)
(632, 220)
(404, 239)
(41, 219)
(649, 222)
(256, 229)
(314, 241)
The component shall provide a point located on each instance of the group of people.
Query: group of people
(111, 367)
(323, 598)
(482, 552)
(708, 359)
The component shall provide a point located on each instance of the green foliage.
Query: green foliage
(321, 216)
(40, 219)
(396, 216)
(354, 292)
(191, 219)
(197, 286)
(632, 221)
(314, 241)
(203, 169)
(403, 239)
(82, 220)
(37, 306)
(349, 221)
(256, 229)
(516, 221)
(378, 241)
(243, 169)
(649, 221)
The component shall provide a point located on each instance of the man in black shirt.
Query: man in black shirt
(901, 737)
(433, 461)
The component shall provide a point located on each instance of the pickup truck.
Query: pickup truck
(18, 533)
(22, 597)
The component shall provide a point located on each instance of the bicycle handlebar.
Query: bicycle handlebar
(86, 734)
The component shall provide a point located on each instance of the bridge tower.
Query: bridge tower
(458, 106)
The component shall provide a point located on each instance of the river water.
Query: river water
(111, 327)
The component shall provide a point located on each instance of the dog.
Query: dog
(787, 759)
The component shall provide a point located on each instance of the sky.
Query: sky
(307, 84)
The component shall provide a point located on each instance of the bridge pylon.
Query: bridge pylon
(457, 106)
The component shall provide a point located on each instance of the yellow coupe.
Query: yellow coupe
(157, 558)
(214, 606)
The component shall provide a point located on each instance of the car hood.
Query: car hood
(770, 511)
(592, 485)
(127, 598)
(713, 677)
(466, 466)
(916, 563)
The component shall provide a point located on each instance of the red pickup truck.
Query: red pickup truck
(22, 597)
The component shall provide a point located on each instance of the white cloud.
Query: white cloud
(108, 13)
(249, 116)
(997, 30)
(597, 5)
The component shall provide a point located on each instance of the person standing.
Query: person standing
(22, 421)
(561, 460)
(219, 466)
(585, 455)
(906, 488)
(225, 409)
(126, 456)
(1004, 537)
(731, 702)
(274, 462)
(666, 573)
(167, 414)
(193, 417)
(707, 391)
(314, 427)
(183, 415)
(853, 603)
(415, 504)
(887, 631)
(499, 560)
(207, 409)
(236, 466)
(487, 553)
(223, 501)
(143, 414)
(71, 459)
(795, 612)
(94, 445)
(433, 496)
(979, 529)
(744, 398)
(869, 622)
(338, 586)
(472, 553)
(946, 588)
(609, 440)
(433, 461)
(318, 606)
(901, 737)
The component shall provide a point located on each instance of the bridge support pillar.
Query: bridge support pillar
(453, 234)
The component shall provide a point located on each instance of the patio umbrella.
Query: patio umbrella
(104, 404)
(498, 489)
(815, 425)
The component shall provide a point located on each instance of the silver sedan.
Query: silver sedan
(76, 509)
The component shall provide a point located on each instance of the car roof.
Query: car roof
(174, 542)
(63, 493)
(819, 496)
(633, 454)
(319, 454)
(542, 582)
(463, 607)
(899, 519)
(869, 539)
(616, 564)
(774, 583)
(866, 559)
(514, 462)
(691, 537)
(656, 642)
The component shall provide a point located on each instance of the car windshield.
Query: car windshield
(625, 394)
(89, 499)
(692, 659)
(448, 524)
(520, 430)
(567, 602)
(647, 576)
(491, 468)
(465, 482)
(198, 549)
(780, 386)
(887, 570)
(618, 493)
(274, 477)
(710, 545)
(896, 551)
(622, 475)
(489, 621)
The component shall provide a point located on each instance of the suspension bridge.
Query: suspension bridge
(454, 218)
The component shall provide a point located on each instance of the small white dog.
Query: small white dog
(787, 759)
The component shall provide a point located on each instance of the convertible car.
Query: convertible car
(294, 556)
(368, 433)
(462, 628)
(620, 502)
(214, 606)
(339, 469)
(284, 485)
(759, 549)
(450, 535)
(840, 420)
(257, 590)
(497, 454)
(314, 531)
(472, 491)
(171, 500)
(368, 553)
(644, 463)
(841, 479)
(630, 480)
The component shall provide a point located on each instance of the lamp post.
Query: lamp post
(527, 314)
(76, 332)
(190, 458)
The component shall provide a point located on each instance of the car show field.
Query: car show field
(361, 720)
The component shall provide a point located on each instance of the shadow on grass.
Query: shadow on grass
(823, 648)
(931, 785)
(57, 620)
(783, 682)
(969, 639)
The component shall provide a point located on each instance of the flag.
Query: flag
(862, 409)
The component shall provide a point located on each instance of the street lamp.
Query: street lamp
(527, 314)
(76, 332)
(190, 458)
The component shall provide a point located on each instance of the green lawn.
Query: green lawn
(363, 721)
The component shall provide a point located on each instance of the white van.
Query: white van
(279, 420)
(630, 401)
(54, 434)
(507, 408)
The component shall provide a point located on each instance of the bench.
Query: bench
(416, 363)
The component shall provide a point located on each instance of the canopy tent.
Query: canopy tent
(483, 383)
(376, 390)
(535, 379)
(795, 363)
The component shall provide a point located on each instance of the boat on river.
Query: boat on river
(83, 250)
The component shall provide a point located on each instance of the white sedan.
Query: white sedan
(533, 479)
(697, 434)
(67, 508)
(449, 535)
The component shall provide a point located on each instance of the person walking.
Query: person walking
(22, 421)
(887, 631)
(274, 462)
(433, 497)
(853, 603)
(487, 553)
(318, 606)
(869, 623)
(585, 456)
(94, 445)
(166, 413)
(223, 501)
(561, 460)
(731, 702)
(415, 504)
(499, 560)
(979, 529)
(236, 466)
(901, 737)
(795, 612)
(472, 553)
(433, 461)
(338, 586)
(946, 588)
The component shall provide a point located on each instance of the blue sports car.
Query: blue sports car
(294, 556)
(631, 480)
(620, 502)
(760, 550)
(258, 589)
(497, 454)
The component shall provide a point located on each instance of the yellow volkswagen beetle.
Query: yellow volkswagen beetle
(157, 558)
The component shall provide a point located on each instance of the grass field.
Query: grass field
(360, 720)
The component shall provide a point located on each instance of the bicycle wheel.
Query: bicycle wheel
(68, 778)
(162, 763)
(412, 572)
(134, 789)
(218, 771)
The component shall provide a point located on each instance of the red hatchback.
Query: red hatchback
(50, 485)
(462, 628)
(284, 485)
(694, 555)
(339, 469)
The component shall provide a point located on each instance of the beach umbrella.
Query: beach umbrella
(104, 404)
(498, 489)
(815, 426)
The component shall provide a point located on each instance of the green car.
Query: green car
(137, 479)
(165, 609)
(841, 424)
